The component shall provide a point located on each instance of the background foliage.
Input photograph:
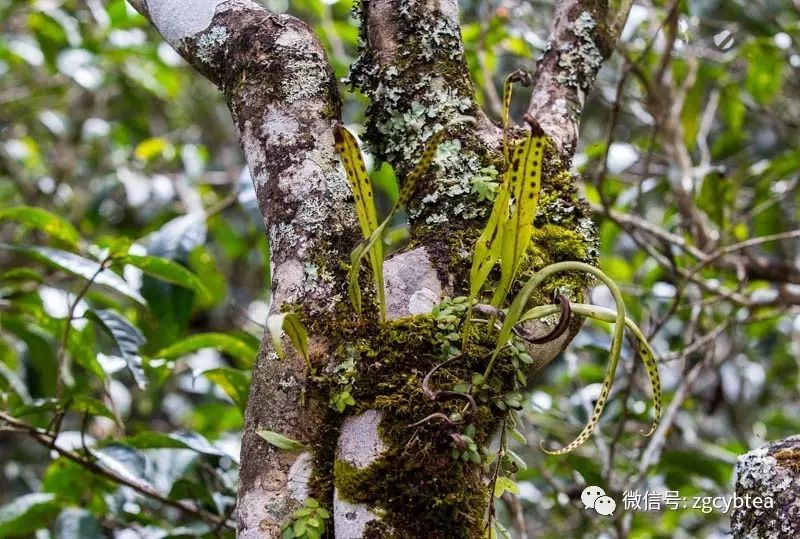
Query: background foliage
(688, 149)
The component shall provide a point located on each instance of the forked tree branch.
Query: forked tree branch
(283, 98)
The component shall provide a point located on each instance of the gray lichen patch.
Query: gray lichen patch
(415, 90)
(412, 284)
(360, 443)
(284, 100)
(209, 43)
(580, 59)
(771, 475)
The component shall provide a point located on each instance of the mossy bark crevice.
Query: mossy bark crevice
(413, 483)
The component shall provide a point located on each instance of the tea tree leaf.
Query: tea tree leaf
(128, 339)
(169, 271)
(43, 220)
(242, 351)
(77, 265)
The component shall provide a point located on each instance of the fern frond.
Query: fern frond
(643, 349)
(356, 170)
(409, 187)
(525, 181)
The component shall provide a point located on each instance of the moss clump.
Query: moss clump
(419, 485)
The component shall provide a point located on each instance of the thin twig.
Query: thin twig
(48, 440)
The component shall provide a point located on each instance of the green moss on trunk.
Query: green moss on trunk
(420, 485)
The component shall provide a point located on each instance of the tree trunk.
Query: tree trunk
(381, 478)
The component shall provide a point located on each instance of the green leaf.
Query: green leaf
(169, 271)
(228, 344)
(504, 484)
(27, 514)
(356, 170)
(77, 265)
(521, 464)
(172, 305)
(174, 440)
(74, 523)
(178, 237)
(524, 182)
(764, 71)
(291, 324)
(128, 339)
(407, 191)
(43, 220)
(125, 461)
(501, 530)
(299, 527)
(150, 148)
(281, 442)
(235, 384)
(518, 436)
(88, 405)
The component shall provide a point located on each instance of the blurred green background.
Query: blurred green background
(106, 127)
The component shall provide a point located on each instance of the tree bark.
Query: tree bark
(284, 101)
(767, 487)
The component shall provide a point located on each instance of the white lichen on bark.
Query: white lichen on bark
(770, 474)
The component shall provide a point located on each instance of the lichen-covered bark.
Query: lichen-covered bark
(412, 67)
(583, 35)
(284, 102)
(767, 489)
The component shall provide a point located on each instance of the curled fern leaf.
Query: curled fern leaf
(643, 349)
(506, 235)
(514, 315)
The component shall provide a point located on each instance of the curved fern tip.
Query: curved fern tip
(563, 451)
(650, 432)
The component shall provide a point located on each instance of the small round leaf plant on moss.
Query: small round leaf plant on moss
(450, 407)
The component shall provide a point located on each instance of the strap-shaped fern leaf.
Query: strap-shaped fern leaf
(356, 170)
(409, 187)
(506, 235)
(525, 181)
(643, 349)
